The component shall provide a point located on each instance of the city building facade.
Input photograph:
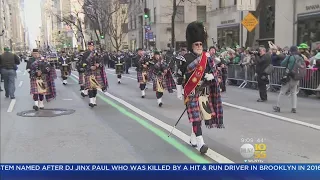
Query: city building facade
(55, 33)
(159, 22)
(12, 25)
(297, 22)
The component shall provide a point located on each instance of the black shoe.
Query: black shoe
(160, 104)
(294, 110)
(276, 109)
(119, 82)
(95, 105)
(204, 149)
(13, 97)
(142, 96)
(91, 105)
(83, 95)
(36, 108)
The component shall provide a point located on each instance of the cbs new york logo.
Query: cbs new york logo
(254, 153)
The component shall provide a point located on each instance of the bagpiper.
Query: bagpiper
(119, 66)
(142, 71)
(95, 75)
(65, 67)
(41, 82)
(162, 78)
(201, 86)
(81, 65)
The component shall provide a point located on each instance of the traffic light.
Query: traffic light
(146, 13)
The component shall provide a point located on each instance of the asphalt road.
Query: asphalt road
(126, 128)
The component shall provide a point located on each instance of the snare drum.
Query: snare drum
(65, 69)
(119, 68)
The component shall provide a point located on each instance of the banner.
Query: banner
(161, 171)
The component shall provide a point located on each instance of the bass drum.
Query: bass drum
(119, 68)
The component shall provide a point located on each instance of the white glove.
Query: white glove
(28, 70)
(209, 77)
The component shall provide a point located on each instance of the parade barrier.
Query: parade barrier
(246, 74)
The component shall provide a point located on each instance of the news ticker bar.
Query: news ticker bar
(160, 167)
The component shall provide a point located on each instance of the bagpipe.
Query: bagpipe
(42, 69)
(145, 69)
(159, 81)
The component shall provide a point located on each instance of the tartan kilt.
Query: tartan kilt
(34, 88)
(81, 78)
(53, 73)
(98, 76)
(193, 108)
(139, 77)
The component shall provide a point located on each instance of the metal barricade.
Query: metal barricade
(246, 74)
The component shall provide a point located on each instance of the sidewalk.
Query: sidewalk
(308, 109)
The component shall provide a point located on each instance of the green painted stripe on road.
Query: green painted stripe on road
(164, 136)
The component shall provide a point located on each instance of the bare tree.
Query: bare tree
(60, 39)
(175, 4)
(117, 27)
(74, 21)
(99, 13)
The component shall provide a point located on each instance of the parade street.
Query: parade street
(126, 128)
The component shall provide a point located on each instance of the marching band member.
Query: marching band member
(201, 87)
(162, 78)
(41, 83)
(119, 67)
(81, 65)
(142, 71)
(65, 67)
(95, 76)
(35, 55)
(180, 59)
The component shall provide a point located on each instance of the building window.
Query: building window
(235, 2)
(309, 31)
(154, 15)
(201, 14)
(222, 3)
(180, 14)
(228, 37)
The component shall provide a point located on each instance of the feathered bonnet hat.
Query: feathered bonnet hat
(195, 32)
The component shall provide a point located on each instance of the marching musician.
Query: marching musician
(35, 55)
(65, 67)
(142, 71)
(81, 65)
(41, 82)
(201, 86)
(95, 76)
(179, 60)
(119, 66)
(162, 78)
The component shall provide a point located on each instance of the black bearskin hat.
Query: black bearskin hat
(195, 32)
(90, 43)
(156, 53)
(35, 50)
